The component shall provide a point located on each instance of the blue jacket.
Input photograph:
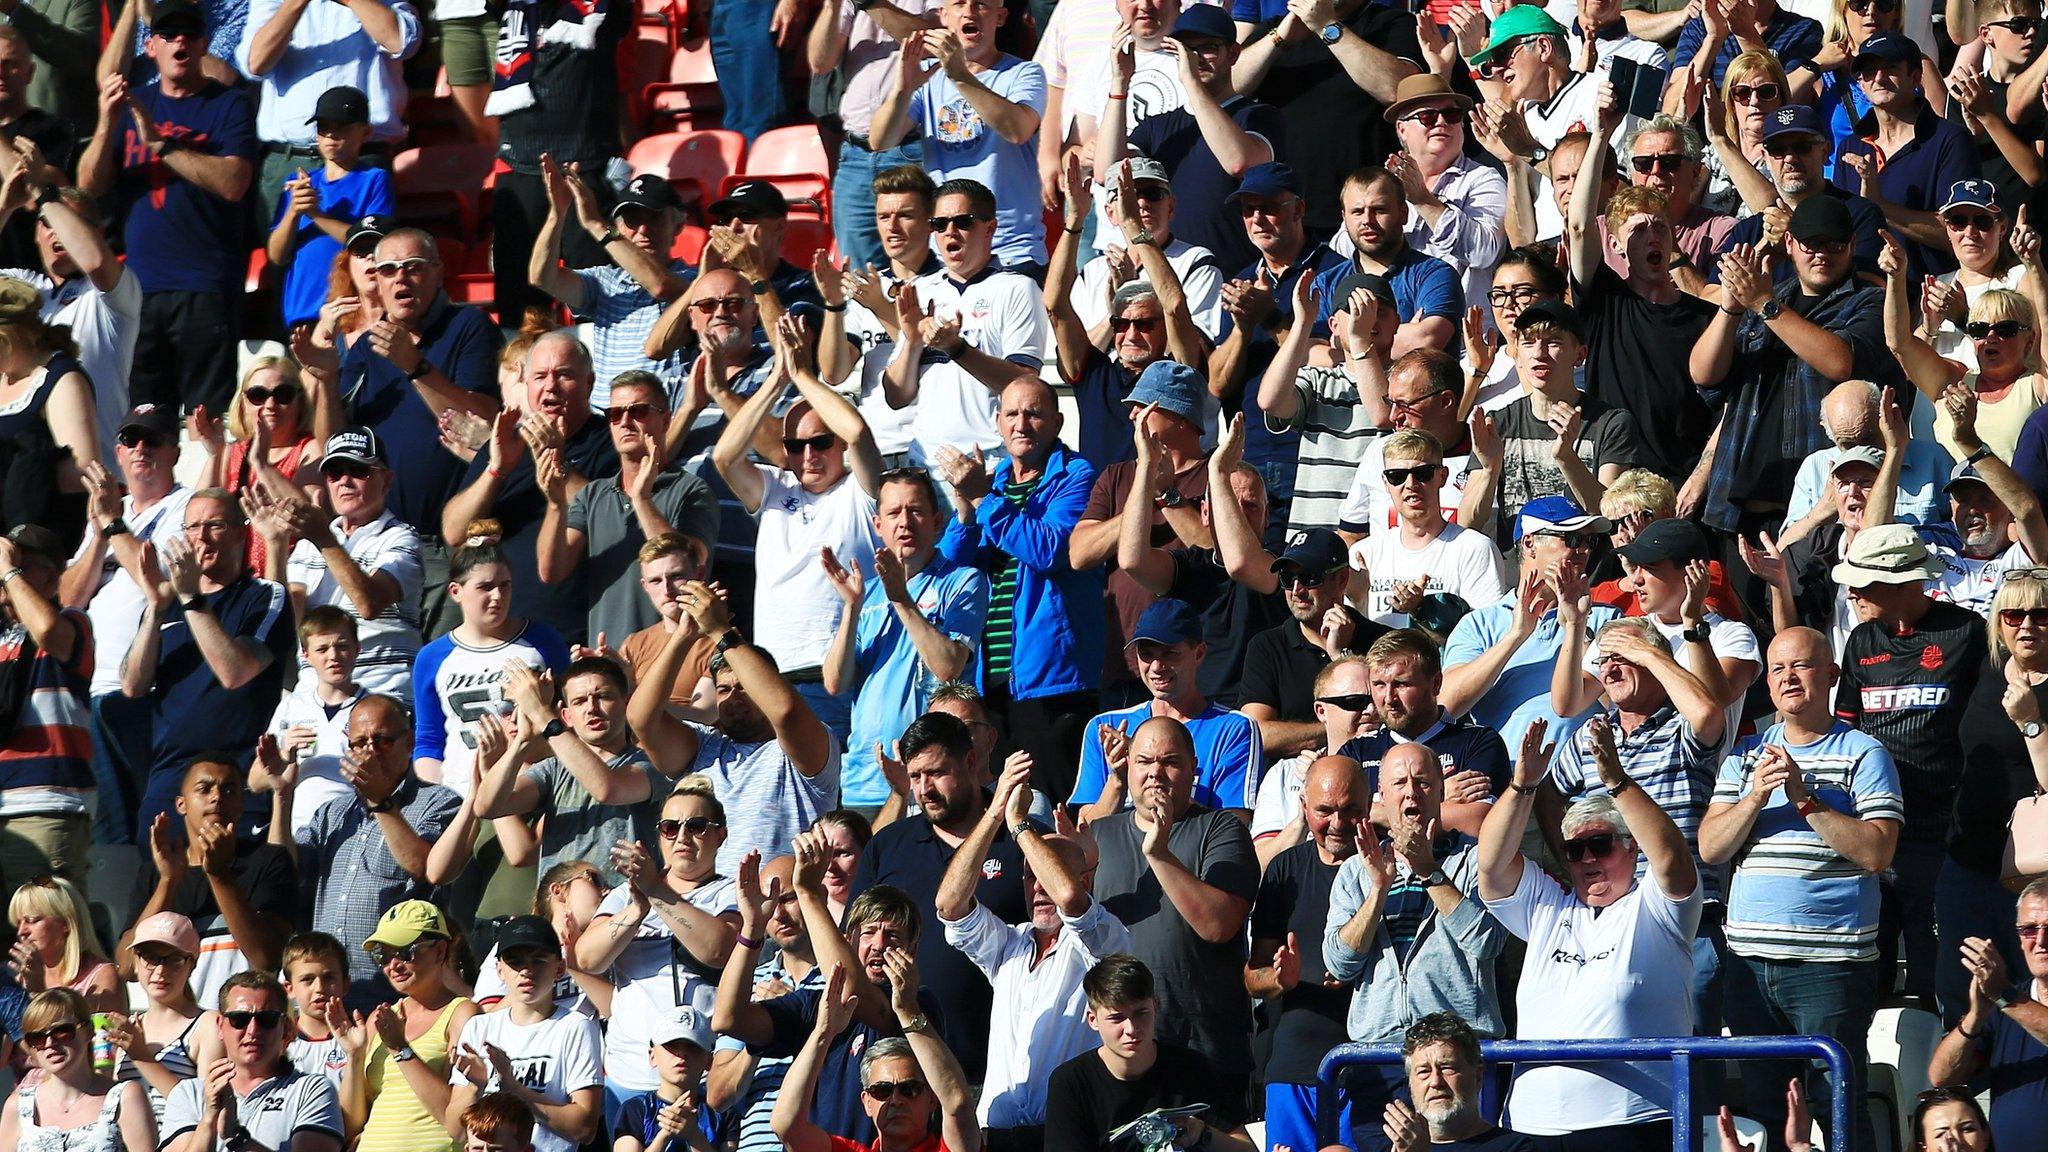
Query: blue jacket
(1059, 625)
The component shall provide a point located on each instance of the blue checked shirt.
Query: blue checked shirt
(621, 314)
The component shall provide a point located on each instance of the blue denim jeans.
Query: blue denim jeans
(121, 736)
(749, 72)
(1800, 998)
(853, 198)
(1969, 903)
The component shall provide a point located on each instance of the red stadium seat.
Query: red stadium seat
(697, 163)
(804, 236)
(440, 183)
(792, 159)
(689, 96)
(689, 245)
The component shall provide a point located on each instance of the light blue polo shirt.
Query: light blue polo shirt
(1522, 694)
(895, 685)
(1228, 755)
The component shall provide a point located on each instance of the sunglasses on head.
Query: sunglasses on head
(283, 394)
(1349, 702)
(140, 440)
(60, 1034)
(637, 413)
(1396, 477)
(901, 1089)
(2003, 329)
(2014, 617)
(1431, 117)
(1597, 847)
(1669, 163)
(1745, 93)
(1123, 323)
(265, 1019)
(390, 268)
(1299, 579)
(964, 221)
(2017, 25)
(823, 442)
(695, 826)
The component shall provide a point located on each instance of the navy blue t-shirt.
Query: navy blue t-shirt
(1458, 744)
(463, 344)
(2018, 1074)
(640, 1118)
(1294, 896)
(1105, 419)
(179, 237)
(1200, 183)
(835, 1105)
(1916, 177)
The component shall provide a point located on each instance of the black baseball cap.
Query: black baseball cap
(155, 419)
(1371, 282)
(376, 226)
(1552, 312)
(342, 104)
(650, 191)
(753, 198)
(528, 933)
(1821, 217)
(1668, 539)
(174, 14)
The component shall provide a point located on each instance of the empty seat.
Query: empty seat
(689, 96)
(697, 163)
(437, 183)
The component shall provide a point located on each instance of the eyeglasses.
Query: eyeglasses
(710, 304)
(1981, 221)
(1122, 323)
(695, 826)
(371, 740)
(1419, 401)
(353, 469)
(148, 440)
(1783, 148)
(1431, 117)
(208, 528)
(1349, 702)
(2017, 25)
(1523, 294)
(901, 1089)
(639, 413)
(1396, 477)
(964, 221)
(61, 1035)
(266, 1019)
(283, 394)
(157, 959)
(2014, 617)
(2003, 329)
(1669, 163)
(1747, 93)
(795, 446)
(382, 954)
(2026, 932)
(416, 266)
(1300, 579)
(1149, 193)
(1598, 846)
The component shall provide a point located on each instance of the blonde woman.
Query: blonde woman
(55, 945)
(2006, 335)
(1753, 87)
(69, 1106)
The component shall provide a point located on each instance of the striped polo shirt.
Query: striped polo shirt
(1335, 432)
(46, 761)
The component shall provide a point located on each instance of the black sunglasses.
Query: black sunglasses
(2003, 329)
(355, 469)
(266, 1019)
(140, 440)
(1299, 579)
(819, 443)
(283, 394)
(1867, 5)
(1981, 221)
(1150, 193)
(1782, 148)
(1744, 93)
(1431, 117)
(1119, 323)
(1669, 163)
(1597, 846)
(638, 413)
(901, 1089)
(1399, 476)
(2014, 617)
(384, 953)
(963, 221)
(1571, 539)
(1349, 702)
(695, 826)
(62, 1034)
(2017, 25)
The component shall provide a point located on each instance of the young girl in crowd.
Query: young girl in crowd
(173, 1038)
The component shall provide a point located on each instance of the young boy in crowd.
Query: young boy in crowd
(499, 1122)
(315, 975)
(311, 723)
(672, 1117)
(542, 1053)
(318, 208)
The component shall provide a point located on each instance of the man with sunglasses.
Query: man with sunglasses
(1998, 519)
(251, 1097)
(1423, 553)
(1809, 811)
(2012, 70)
(758, 213)
(179, 157)
(1904, 155)
(1797, 148)
(1282, 664)
(1424, 390)
(1456, 205)
(600, 527)
(1996, 1039)
(1142, 200)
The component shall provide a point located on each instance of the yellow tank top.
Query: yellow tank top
(1998, 423)
(398, 1121)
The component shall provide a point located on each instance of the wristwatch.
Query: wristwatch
(1332, 32)
(1982, 451)
(404, 1054)
(419, 371)
(1171, 498)
(116, 527)
(2006, 998)
(610, 234)
(194, 603)
(760, 287)
(236, 1139)
(1808, 806)
(1435, 878)
(1769, 309)
(2031, 729)
(1696, 635)
(1144, 236)
(731, 640)
(918, 1023)
(554, 728)
(384, 805)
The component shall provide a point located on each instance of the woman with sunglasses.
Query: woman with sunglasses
(1829, 79)
(2008, 379)
(70, 1106)
(1992, 251)
(55, 945)
(1610, 957)
(665, 933)
(173, 1037)
(1737, 181)
(396, 1088)
(276, 425)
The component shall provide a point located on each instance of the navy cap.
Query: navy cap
(356, 444)
(1174, 386)
(1205, 20)
(1318, 550)
(1167, 622)
(1890, 47)
(171, 14)
(376, 226)
(651, 191)
(1799, 118)
(1269, 179)
(1558, 514)
(1971, 194)
(1964, 474)
(1552, 312)
(155, 419)
(1371, 282)
(341, 104)
(755, 197)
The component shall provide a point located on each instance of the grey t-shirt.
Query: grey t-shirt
(767, 799)
(276, 1110)
(578, 827)
(1202, 1004)
(612, 540)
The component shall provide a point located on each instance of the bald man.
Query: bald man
(1183, 877)
(1809, 810)
(501, 483)
(1849, 413)
(1041, 648)
(1286, 965)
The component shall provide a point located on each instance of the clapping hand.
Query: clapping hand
(846, 579)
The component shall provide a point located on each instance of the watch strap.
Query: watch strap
(1983, 451)
(419, 370)
(116, 527)
(732, 639)
(553, 729)
(194, 603)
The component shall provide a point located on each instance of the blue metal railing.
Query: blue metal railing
(1680, 1052)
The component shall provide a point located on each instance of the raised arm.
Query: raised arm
(1070, 335)
(1651, 827)
(671, 744)
(1238, 544)
(957, 1127)
(804, 740)
(1923, 365)
(792, 1117)
(1961, 402)
(1500, 838)
(729, 455)
(1152, 567)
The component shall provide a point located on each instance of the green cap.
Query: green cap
(1515, 23)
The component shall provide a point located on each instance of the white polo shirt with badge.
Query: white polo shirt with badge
(387, 645)
(1001, 314)
(272, 1113)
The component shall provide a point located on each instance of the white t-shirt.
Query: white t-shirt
(323, 1058)
(1001, 314)
(104, 325)
(652, 983)
(1459, 561)
(1279, 800)
(554, 1058)
(116, 609)
(1367, 508)
(320, 777)
(1624, 973)
(1973, 583)
(1201, 278)
(891, 426)
(795, 609)
(391, 642)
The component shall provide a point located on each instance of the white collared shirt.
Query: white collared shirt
(389, 643)
(329, 48)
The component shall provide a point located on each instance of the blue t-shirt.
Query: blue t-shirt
(1201, 185)
(1793, 897)
(1423, 286)
(1105, 435)
(178, 236)
(463, 344)
(640, 1118)
(363, 192)
(895, 686)
(1228, 755)
(1916, 176)
(959, 144)
(2018, 1074)
(835, 1104)
(1522, 693)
